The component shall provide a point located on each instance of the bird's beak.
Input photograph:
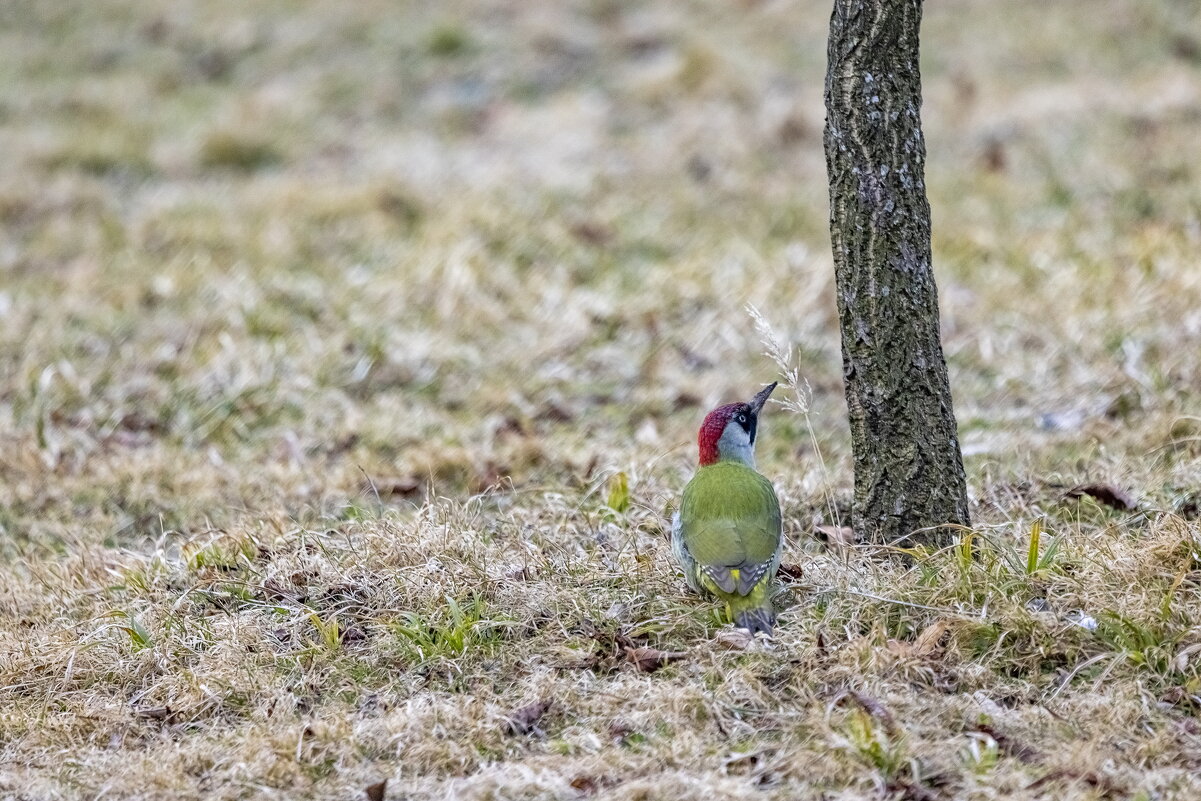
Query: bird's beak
(760, 399)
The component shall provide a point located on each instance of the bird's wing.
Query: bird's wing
(730, 524)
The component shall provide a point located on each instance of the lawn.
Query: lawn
(351, 360)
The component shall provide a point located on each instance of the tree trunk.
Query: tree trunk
(908, 467)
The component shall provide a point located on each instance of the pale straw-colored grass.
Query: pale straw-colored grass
(326, 332)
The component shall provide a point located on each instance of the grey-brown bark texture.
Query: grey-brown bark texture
(908, 467)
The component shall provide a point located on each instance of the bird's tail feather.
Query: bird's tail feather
(760, 618)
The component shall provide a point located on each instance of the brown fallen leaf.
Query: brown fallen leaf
(584, 784)
(836, 536)
(623, 642)
(375, 792)
(930, 638)
(927, 642)
(524, 720)
(1108, 494)
(155, 713)
(648, 660)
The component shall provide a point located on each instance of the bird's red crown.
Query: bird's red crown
(712, 428)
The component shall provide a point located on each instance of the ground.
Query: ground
(351, 357)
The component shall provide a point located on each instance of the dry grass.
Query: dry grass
(325, 330)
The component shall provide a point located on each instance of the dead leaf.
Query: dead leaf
(624, 642)
(1189, 726)
(790, 572)
(524, 720)
(836, 536)
(929, 639)
(925, 644)
(584, 785)
(154, 713)
(375, 792)
(1107, 494)
(648, 660)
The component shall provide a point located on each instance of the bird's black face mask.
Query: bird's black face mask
(748, 415)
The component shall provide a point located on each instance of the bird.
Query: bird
(727, 532)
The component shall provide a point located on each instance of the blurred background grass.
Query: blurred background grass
(253, 256)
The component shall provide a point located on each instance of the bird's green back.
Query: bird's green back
(730, 516)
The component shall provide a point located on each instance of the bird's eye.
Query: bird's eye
(742, 418)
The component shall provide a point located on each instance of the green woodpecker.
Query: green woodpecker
(727, 531)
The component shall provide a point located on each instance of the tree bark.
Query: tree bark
(908, 467)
